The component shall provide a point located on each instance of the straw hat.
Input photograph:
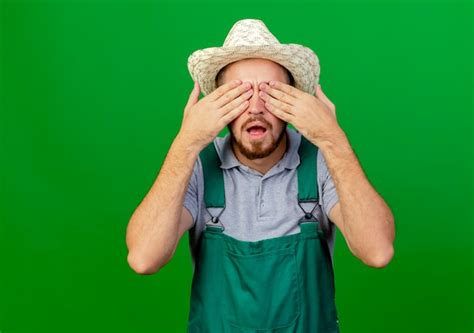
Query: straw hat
(250, 38)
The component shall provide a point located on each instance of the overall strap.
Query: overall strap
(307, 172)
(307, 180)
(214, 192)
(308, 188)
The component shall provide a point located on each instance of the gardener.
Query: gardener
(260, 203)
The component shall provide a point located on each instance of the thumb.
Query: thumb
(194, 96)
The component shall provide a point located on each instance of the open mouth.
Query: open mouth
(256, 131)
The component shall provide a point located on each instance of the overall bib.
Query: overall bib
(276, 285)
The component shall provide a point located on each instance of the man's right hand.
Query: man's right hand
(204, 119)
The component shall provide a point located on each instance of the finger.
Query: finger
(231, 115)
(269, 100)
(236, 102)
(194, 96)
(230, 95)
(320, 95)
(278, 94)
(216, 94)
(286, 88)
(285, 116)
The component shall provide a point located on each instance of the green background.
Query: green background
(92, 94)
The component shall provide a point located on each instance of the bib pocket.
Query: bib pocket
(261, 291)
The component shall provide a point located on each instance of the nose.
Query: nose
(256, 103)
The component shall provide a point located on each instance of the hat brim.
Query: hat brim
(302, 62)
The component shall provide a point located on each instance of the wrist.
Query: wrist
(336, 140)
(187, 144)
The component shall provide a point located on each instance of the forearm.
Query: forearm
(368, 221)
(152, 232)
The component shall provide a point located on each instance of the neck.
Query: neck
(262, 165)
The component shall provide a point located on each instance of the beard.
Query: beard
(257, 149)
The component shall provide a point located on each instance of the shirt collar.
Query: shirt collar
(290, 159)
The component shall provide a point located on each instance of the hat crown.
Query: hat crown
(249, 32)
(250, 38)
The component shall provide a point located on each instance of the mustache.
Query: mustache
(260, 119)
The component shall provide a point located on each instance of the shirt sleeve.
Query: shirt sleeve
(191, 195)
(328, 195)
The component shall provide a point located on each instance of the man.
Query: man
(260, 203)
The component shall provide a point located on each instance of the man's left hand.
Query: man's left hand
(313, 116)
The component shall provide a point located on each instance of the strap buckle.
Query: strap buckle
(215, 221)
(308, 216)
